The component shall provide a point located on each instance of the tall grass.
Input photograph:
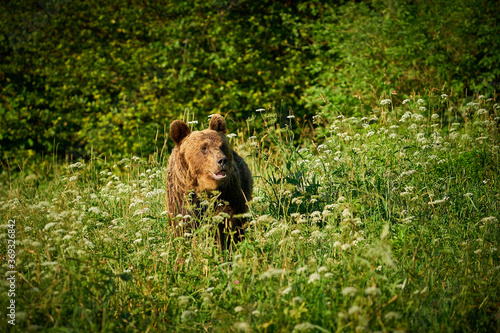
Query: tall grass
(385, 223)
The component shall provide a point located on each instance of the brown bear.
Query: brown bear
(203, 162)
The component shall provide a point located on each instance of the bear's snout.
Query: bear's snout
(222, 162)
(222, 165)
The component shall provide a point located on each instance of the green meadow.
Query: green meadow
(386, 223)
(371, 129)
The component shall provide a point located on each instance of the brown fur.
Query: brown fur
(194, 165)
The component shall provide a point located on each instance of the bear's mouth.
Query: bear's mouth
(220, 175)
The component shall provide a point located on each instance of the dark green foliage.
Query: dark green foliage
(108, 77)
(399, 47)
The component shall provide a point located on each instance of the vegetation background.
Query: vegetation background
(108, 77)
(371, 129)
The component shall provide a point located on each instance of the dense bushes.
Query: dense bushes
(396, 48)
(89, 75)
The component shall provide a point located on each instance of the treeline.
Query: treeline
(109, 76)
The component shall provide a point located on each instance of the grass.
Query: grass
(387, 223)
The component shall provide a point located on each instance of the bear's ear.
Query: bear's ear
(217, 123)
(178, 131)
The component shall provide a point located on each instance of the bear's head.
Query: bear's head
(206, 155)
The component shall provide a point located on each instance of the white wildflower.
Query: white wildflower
(353, 310)
(77, 165)
(313, 278)
(373, 291)
(349, 291)
(48, 263)
(322, 269)
(94, 210)
(186, 315)
(391, 315)
(489, 219)
(301, 270)
(409, 172)
(271, 272)
(49, 225)
(306, 326)
(242, 326)
(346, 213)
(408, 219)
(445, 198)
(346, 246)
